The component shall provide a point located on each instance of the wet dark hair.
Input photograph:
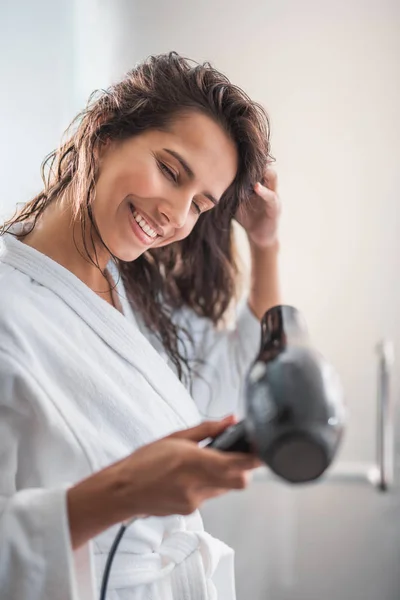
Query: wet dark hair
(199, 272)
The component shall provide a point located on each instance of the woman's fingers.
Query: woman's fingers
(205, 430)
(270, 179)
(225, 469)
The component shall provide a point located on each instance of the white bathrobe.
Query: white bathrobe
(81, 386)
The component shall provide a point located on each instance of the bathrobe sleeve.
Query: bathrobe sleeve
(222, 358)
(36, 556)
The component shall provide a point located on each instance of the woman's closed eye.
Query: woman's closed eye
(196, 208)
(169, 173)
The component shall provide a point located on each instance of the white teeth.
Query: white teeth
(143, 224)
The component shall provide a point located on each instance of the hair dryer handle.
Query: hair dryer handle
(233, 439)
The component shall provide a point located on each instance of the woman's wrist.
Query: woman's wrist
(264, 282)
(97, 503)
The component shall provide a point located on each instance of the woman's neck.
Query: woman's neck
(59, 237)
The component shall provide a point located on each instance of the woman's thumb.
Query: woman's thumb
(205, 429)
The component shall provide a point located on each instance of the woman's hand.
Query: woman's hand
(170, 476)
(260, 219)
(175, 476)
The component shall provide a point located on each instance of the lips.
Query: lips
(146, 221)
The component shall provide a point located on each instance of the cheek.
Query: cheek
(145, 181)
(142, 184)
(142, 181)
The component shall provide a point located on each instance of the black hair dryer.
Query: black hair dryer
(294, 403)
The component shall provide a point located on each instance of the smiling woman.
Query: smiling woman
(114, 280)
(156, 185)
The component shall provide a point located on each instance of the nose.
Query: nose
(176, 208)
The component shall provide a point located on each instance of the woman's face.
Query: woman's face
(153, 187)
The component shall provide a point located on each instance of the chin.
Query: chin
(125, 252)
(128, 255)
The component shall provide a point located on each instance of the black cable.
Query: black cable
(110, 558)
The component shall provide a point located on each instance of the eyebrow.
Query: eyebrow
(189, 171)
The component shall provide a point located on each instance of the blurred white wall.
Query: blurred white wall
(36, 78)
(98, 27)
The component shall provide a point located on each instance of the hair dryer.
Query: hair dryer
(294, 403)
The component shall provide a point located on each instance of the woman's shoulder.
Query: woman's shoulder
(18, 307)
(14, 285)
(19, 324)
(12, 282)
